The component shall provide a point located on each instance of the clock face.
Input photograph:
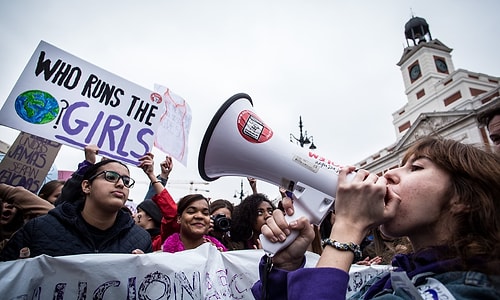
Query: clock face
(415, 72)
(441, 66)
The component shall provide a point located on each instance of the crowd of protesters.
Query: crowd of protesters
(377, 220)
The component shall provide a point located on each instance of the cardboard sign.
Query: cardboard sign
(28, 161)
(68, 100)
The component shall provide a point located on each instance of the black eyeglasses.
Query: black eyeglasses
(113, 177)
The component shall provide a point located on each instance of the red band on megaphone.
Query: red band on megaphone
(252, 128)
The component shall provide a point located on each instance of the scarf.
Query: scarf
(174, 244)
(427, 260)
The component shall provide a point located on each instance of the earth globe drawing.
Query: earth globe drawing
(37, 107)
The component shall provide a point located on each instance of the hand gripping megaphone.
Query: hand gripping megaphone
(238, 143)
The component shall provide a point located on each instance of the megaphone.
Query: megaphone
(239, 143)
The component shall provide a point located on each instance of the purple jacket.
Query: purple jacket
(304, 283)
(331, 283)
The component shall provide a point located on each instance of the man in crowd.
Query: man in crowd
(491, 119)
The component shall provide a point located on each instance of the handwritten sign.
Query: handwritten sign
(173, 133)
(68, 100)
(28, 161)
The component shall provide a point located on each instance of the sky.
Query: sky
(331, 62)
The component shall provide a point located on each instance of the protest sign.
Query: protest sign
(201, 273)
(173, 133)
(28, 161)
(68, 100)
(64, 174)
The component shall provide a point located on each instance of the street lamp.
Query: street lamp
(240, 194)
(303, 139)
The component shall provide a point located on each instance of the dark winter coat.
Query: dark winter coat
(63, 231)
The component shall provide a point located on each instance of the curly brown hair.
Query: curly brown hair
(245, 215)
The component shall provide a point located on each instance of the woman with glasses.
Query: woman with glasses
(248, 218)
(95, 223)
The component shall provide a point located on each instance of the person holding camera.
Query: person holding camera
(221, 211)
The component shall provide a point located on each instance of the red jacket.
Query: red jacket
(169, 224)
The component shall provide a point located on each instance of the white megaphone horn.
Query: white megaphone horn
(238, 143)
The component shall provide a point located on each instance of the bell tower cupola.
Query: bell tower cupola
(417, 31)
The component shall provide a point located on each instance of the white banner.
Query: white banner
(202, 273)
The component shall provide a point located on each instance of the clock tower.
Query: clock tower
(425, 61)
(441, 100)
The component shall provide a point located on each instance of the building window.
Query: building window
(452, 98)
(475, 92)
(420, 94)
(484, 135)
(404, 126)
(488, 99)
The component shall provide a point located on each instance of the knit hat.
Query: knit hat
(150, 208)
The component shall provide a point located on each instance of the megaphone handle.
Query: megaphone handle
(272, 248)
(307, 196)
